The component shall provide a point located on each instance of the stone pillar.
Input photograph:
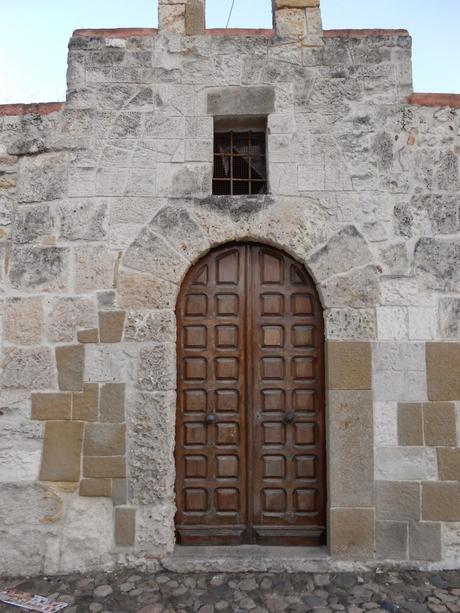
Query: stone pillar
(185, 17)
(298, 20)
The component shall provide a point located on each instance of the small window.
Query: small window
(239, 162)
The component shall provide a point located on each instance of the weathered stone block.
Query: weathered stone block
(176, 226)
(125, 526)
(405, 464)
(32, 368)
(93, 488)
(84, 220)
(240, 101)
(439, 424)
(391, 540)
(111, 324)
(449, 464)
(171, 17)
(157, 326)
(397, 500)
(85, 404)
(436, 263)
(38, 269)
(42, 177)
(70, 361)
(441, 501)
(112, 405)
(351, 427)
(32, 223)
(352, 533)
(449, 318)
(443, 370)
(194, 17)
(143, 291)
(358, 289)
(410, 425)
(385, 424)
(94, 268)
(51, 406)
(61, 451)
(351, 324)
(349, 365)
(156, 371)
(67, 315)
(88, 337)
(23, 321)
(425, 541)
(105, 439)
(104, 467)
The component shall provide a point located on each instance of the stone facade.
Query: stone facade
(105, 203)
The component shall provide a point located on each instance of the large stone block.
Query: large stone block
(351, 324)
(84, 220)
(405, 464)
(125, 526)
(42, 177)
(157, 326)
(385, 424)
(104, 467)
(112, 405)
(177, 227)
(449, 464)
(439, 424)
(70, 361)
(391, 540)
(62, 451)
(349, 365)
(352, 533)
(410, 425)
(397, 500)
(425, 541)
(33, 223)
(32, 369)
(157, 368)
(111, 325)
(51, 406)
(105, 439)
(351, 428)
(68, 315)
(436, 263)
(23, 321)
(441, 501)
(443, 370)
(449, 318)
(143, 291)
(85, 404)
(37, 269)
(240, 101)
(357, 289)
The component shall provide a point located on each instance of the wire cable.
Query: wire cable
(230, 14)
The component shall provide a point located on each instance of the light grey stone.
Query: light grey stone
(240, 101)
(42, 177)
(84, 220)
(39, 268)
(406, 464)
(358, 289)
(351, 324)
(31, 368)
(156, 326)
(68, 315)
(32, 223)
(436, 263)
(449, 318)
(176, 226)
(157, 368)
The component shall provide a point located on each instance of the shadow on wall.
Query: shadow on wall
(252, 14)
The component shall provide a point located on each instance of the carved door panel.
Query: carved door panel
(250, 442)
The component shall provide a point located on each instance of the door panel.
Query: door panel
(250, 428)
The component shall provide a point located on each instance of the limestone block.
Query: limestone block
(125, 526)
(110, 363)
(351, 428)
(426, 214)
(104, 439)
(176, 226)
(32, 368)
(358, 289)
(29, 515)
(423, 324)
(151, 254)
(112, 406)
(398, 356)
(392, 323)
(70, 361)
(349, 365)
(171, 17)
(451, 544)
(32, 223)
(23, 321)
(157, 368)
(198, 150)
(404, 292)
(51, 406)
(44, 269)
(410, 425)
(391, 539)
(159, 126)
(67, 315)
(82, 182)
(94, 268)
(193, 180)
(425, 541)
(385, 424)
(443, 371)
(143, 291)
(399, 386)
(436, 263)
(157, 326)
(95, 488)
(449, 464)
(100, 467)
(396, 259)
(42, 177)
(151, 443)
(21, 445)
(345, 250)
(352, 533)
(62, 451)
(351, 324)
(111, 324)
(241, 101)
(449, 318)
(405, 464)
(397, 500)
(140, 182)
(439, 424)
(84, 220)
(85, 404)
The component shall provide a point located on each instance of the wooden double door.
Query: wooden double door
(250, 442)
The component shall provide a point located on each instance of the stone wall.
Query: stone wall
(104, 205)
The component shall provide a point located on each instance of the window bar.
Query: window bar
(231, 163)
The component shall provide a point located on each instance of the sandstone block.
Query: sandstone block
(51, 406)
(449, 464)
(94, 268)
(104, 467)
(352, 533)
(143, 291)
(61, 451)
(349, 365)
(104, 439)
(23, 321)
(32, 368)
(441, 501)
(391, 539)
(439, 424)
(397, 500)
(112, 407)
(425, 541)
(405, 464)
(70, 361)
(111, 324)
(119, 491)
(443, 370)
(67, 315)
(85, 404)
(351, 428)
(125, 526)
(410, 425)
(88, 337)
(171, 17)
(37, 269)
(94, 488)
(195, 17)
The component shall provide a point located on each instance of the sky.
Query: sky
(34, 35)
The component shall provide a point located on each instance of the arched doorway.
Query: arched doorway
(250, 436)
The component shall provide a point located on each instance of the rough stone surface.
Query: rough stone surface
(61, 451)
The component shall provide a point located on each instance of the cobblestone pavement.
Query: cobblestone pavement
(393, 592)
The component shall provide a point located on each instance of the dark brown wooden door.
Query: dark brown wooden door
(250, 441)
